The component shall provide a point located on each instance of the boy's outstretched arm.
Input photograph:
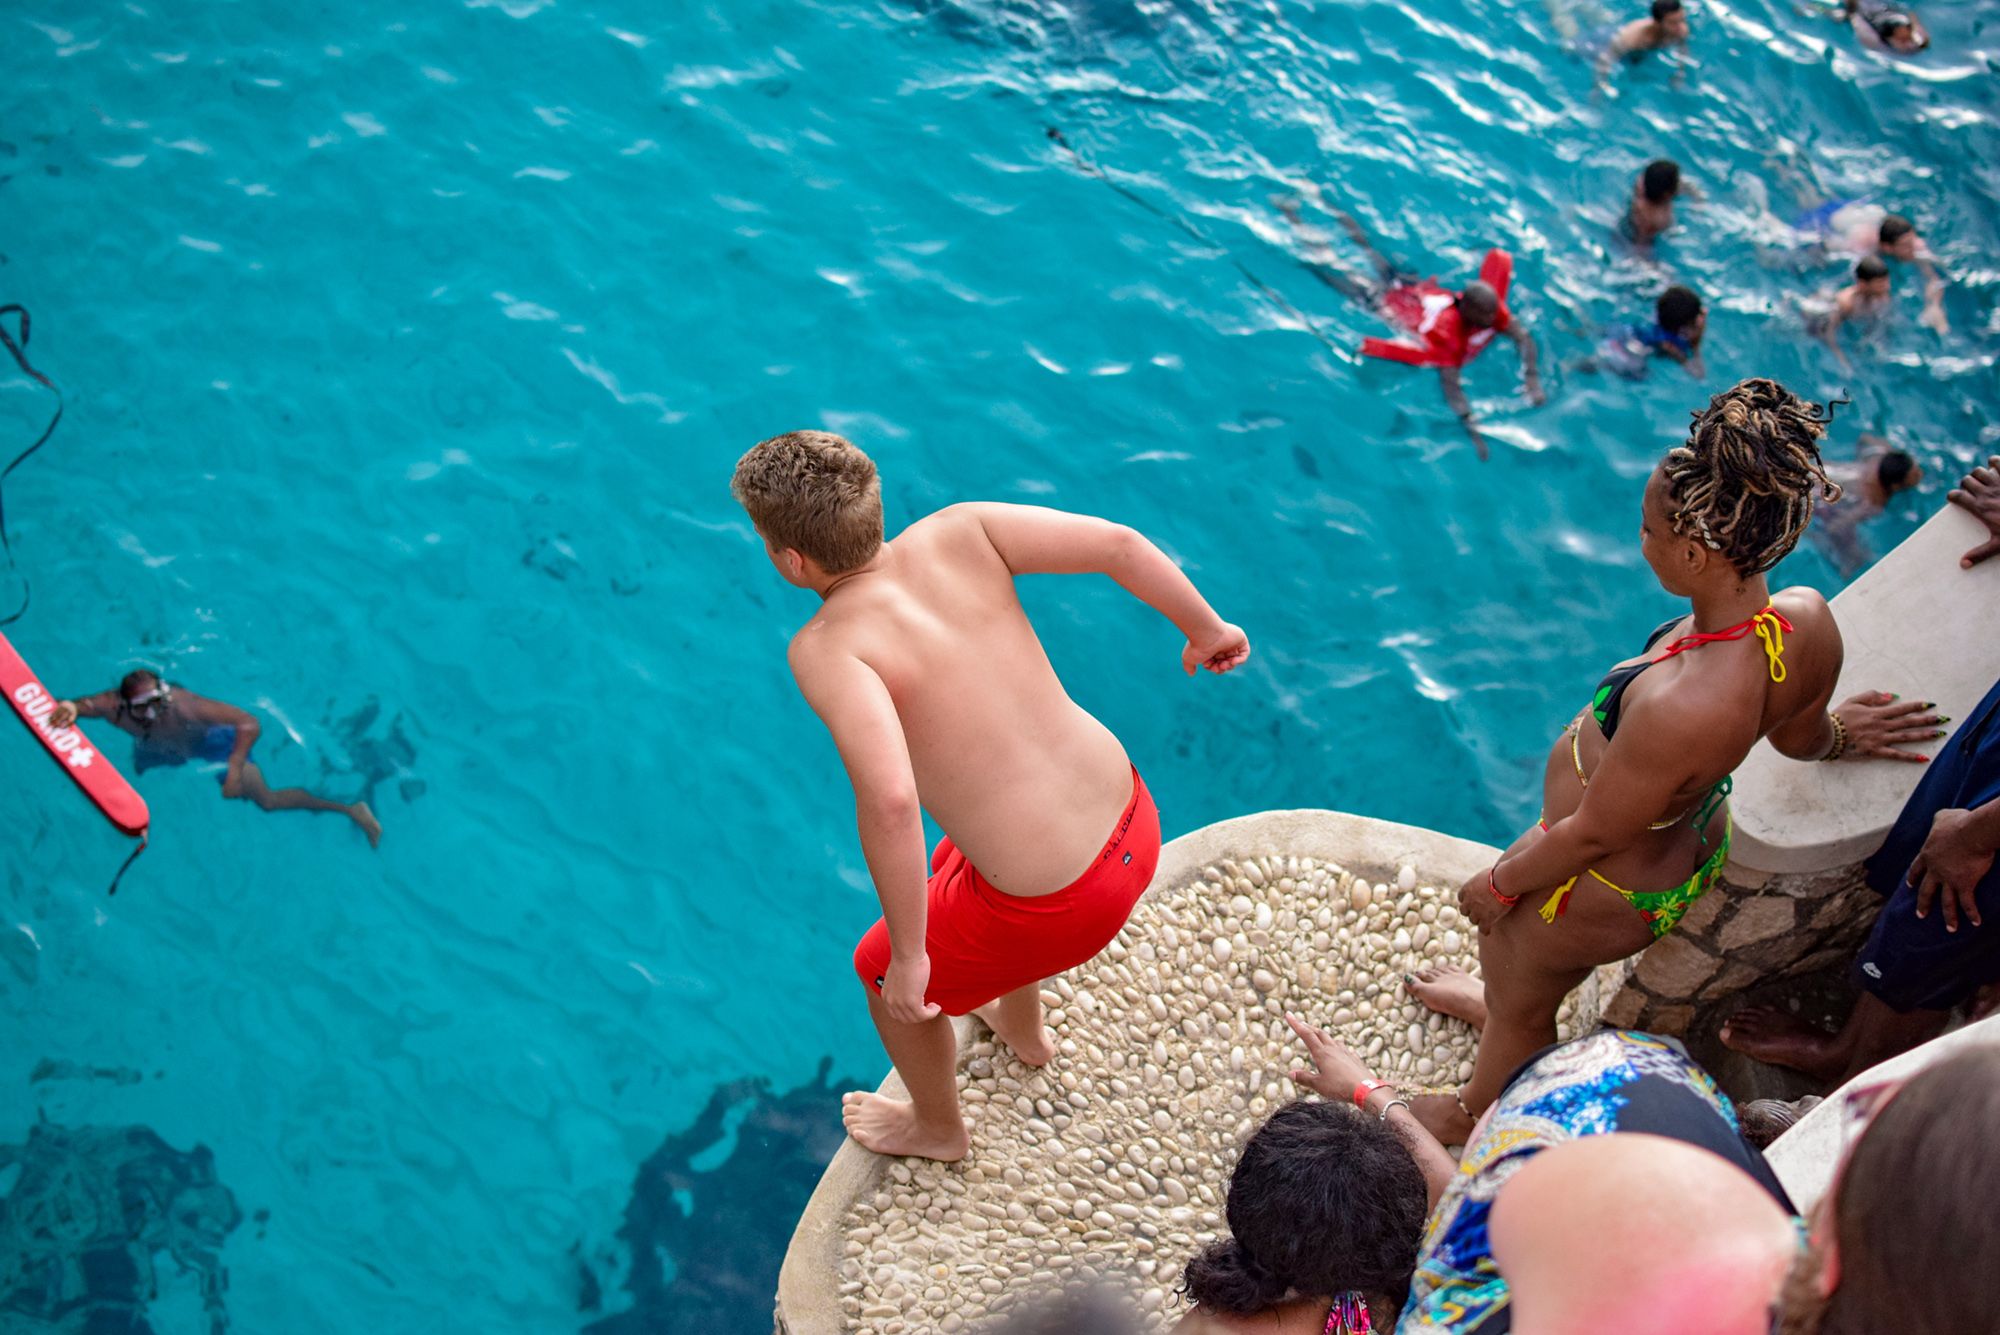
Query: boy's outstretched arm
(1530, 366)
(855, 706)
(1453, 386)
(1037, 541)
(101, 705)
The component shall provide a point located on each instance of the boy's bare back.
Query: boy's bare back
(1023, 780)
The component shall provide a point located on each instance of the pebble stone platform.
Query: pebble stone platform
(1113, 1159)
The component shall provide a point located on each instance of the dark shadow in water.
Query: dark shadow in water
(88, 1216)
(379, 757)
(711, 1213)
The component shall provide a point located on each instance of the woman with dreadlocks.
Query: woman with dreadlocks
(1635, 823)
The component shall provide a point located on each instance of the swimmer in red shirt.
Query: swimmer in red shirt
(1439, 327)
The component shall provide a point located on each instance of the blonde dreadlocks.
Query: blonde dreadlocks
(1745, 481)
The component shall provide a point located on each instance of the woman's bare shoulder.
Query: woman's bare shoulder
(1805, 607)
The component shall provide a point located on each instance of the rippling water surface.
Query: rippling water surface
(408, 348)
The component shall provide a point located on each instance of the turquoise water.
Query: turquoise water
(408, 349)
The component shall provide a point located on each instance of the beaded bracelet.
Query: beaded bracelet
(1839, 738)
(1508, 901)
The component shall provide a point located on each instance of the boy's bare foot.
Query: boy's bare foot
(890, 1126)
(362, 816)
(1031, 1044)
(1770, 1035)
(1450, 990)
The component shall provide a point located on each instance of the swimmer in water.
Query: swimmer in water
(1666, 26)
(1890, 28)
(1858, 227)
(173, 725)
(1651, 211)
(1439, 328)
(1866, 298)
(1878, 473)
(1675, 333)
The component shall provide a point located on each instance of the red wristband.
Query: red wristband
(1508, 900)
(1367, 1087)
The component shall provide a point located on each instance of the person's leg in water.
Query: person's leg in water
(1874, 1032)
(1319, 257)
(1563, 21)
(929, 1124)
(1016, 1020)
(298, 799)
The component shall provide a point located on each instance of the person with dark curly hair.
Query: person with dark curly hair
(1635, 819)
(1325, 1209)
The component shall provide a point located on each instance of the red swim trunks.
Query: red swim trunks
(983, 944)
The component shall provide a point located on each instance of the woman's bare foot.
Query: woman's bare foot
(362, 816)
(1030, 1042)
(890, 1126)
(1450, 990)
(1770, 1035)
(1442, 1117)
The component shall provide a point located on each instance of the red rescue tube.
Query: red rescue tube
(98, 777)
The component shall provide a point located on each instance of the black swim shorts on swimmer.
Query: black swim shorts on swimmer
(1913, 963)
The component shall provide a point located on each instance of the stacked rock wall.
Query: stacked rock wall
(1752, 930)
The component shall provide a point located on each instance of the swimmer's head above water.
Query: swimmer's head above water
(1479, 305)
(143, 695)
(1899, 237)
(1899, 31)
(1741, 489)
(1898, 472)
(1679, 311)
(1661, 180)
(1671, 16)
(1871, 275)
(815, 500)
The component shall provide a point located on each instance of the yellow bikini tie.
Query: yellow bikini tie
(1771, 627)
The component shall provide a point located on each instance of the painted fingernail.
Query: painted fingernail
(1938, 733)
(1930, 704)
(1945, 719)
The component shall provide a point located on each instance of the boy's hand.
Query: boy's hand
(63, 715)
(903, 988)
(1225, 649)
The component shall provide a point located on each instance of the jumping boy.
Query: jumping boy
(924, 668)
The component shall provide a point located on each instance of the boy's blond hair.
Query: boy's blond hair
(816, 493)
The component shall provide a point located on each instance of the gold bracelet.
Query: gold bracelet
(1839, 738)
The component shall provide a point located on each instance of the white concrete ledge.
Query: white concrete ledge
(1914, 624)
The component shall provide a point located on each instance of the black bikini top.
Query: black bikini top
(1604, 706)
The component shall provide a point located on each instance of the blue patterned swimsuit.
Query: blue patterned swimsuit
(1615, 1080)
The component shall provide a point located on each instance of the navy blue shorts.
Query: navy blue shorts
(1913, 963)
